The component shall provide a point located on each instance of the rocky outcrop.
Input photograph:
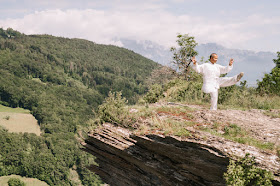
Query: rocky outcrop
(126, 159)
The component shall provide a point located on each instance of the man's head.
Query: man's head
(213, 58)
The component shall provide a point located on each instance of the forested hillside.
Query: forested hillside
(61, 81)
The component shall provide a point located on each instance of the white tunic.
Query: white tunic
(211, 75)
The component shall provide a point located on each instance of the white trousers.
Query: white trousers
(223, 82)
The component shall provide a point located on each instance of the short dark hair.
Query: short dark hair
(212, 55)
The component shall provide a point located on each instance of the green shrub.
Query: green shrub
(182, 90)
(232, 130)
(172, 83)
(7, 117)
(15, 182)
(243, 172)
(154, 94)
(113, 109)
(249, 98)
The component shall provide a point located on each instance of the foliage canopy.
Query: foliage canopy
(183, 54)
(61, 81)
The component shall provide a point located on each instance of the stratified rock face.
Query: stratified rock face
(153, 160)
(126, 159)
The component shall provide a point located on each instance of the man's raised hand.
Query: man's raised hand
(231, 62)
(194, 60)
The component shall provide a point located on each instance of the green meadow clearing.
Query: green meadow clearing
(13, 110)
(18, 120)
(28, 181)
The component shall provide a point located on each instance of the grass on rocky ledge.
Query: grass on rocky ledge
(165, 120)
(175, 120)
(273, 113)
(235, 133)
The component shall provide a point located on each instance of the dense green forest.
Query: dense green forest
(61, 81)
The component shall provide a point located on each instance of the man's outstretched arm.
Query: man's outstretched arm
(228, 68)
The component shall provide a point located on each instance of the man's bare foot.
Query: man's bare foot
(240, 76)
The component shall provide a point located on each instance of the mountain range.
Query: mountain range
(253, 64)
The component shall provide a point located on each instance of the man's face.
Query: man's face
(214, 59)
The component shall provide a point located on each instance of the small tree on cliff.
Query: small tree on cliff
(270, 84)
(113, 110)
(182, 55)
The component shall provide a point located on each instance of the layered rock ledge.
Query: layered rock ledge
(127, 159)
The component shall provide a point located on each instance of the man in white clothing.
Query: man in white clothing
(211, 77)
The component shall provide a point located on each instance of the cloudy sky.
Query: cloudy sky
(240, 24)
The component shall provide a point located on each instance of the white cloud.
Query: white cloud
(157, 25)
